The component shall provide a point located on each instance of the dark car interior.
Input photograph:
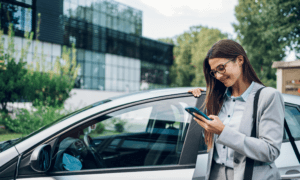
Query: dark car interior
(160, 144)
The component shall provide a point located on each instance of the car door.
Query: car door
(149, 139)
(287, 162)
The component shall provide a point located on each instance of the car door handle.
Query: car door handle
(290, 176)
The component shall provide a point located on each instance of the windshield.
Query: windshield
(7, 144)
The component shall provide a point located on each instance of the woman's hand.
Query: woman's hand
(215, 126)
(196, 92)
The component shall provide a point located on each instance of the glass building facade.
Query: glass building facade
(105, 13)
(111, 51)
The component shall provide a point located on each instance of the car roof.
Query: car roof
(293, 99)
(142, 95)
(133, 97)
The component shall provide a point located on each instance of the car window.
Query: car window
(292, 116)
(149, 134)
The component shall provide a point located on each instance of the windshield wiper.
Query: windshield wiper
(5, 145)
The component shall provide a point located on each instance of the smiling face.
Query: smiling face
(233, 73)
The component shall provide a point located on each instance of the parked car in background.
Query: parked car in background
(144, 134)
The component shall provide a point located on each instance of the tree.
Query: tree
(265, 29)
(53, 87)
(35, 82)
(167, 40)
(190, 50)
(50, 87)
(12, 73)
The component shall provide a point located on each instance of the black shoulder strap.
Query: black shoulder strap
(292, 140)
(250, 162)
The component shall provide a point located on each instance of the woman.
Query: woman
(231, 85)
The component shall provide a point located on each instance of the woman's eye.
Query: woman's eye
(220, 68)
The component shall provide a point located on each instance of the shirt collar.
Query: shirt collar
(244, 96)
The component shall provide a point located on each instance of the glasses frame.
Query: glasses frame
(213, 72)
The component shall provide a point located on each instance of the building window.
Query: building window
(109, 14)
(122, 73)
(92, 71)
(17, 13)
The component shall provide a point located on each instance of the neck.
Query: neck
(239, 88)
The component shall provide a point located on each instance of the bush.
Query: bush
(3, 131)
(119, 124)
(49, 89)
(99, 128)
(27, 121)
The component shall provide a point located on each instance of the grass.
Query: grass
(5, 137)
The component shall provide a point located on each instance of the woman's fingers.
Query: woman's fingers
(201, 123)
(196, 92)
(216, 126)
(199, 117)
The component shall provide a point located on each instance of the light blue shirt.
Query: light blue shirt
(230, 114)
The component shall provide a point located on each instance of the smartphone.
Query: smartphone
(191, 110)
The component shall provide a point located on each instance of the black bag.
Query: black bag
(250, 162)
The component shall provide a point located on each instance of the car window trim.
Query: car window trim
(107, 111)
(298, 108)
(193, 138)
(72, 126)
(292, 105)
(292, 140)
(111, 170)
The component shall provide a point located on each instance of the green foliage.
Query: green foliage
(4, 131)
(35, 81)
(190, 51)
(118, 124)
(12, 74)
(53, 87)
(265, 29)
(27, 121)
(47, 88)
(166, 40)
(99, 128)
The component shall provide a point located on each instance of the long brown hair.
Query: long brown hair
(216, 89)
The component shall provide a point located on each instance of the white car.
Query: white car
(145, 135)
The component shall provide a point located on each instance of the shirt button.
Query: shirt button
(236, 161)
(234, 100)
(228, 115)
(224, 147)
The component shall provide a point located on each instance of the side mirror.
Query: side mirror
(40, 159)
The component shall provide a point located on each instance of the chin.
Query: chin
(228, 83)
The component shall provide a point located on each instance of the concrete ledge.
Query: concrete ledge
(283, 64)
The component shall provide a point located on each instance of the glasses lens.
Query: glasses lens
(221, 69)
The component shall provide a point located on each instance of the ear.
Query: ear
(240, 60)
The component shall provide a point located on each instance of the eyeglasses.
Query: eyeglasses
(220, 69)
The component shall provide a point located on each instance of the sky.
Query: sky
(168, 18)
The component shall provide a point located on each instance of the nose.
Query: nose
(218, 75)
